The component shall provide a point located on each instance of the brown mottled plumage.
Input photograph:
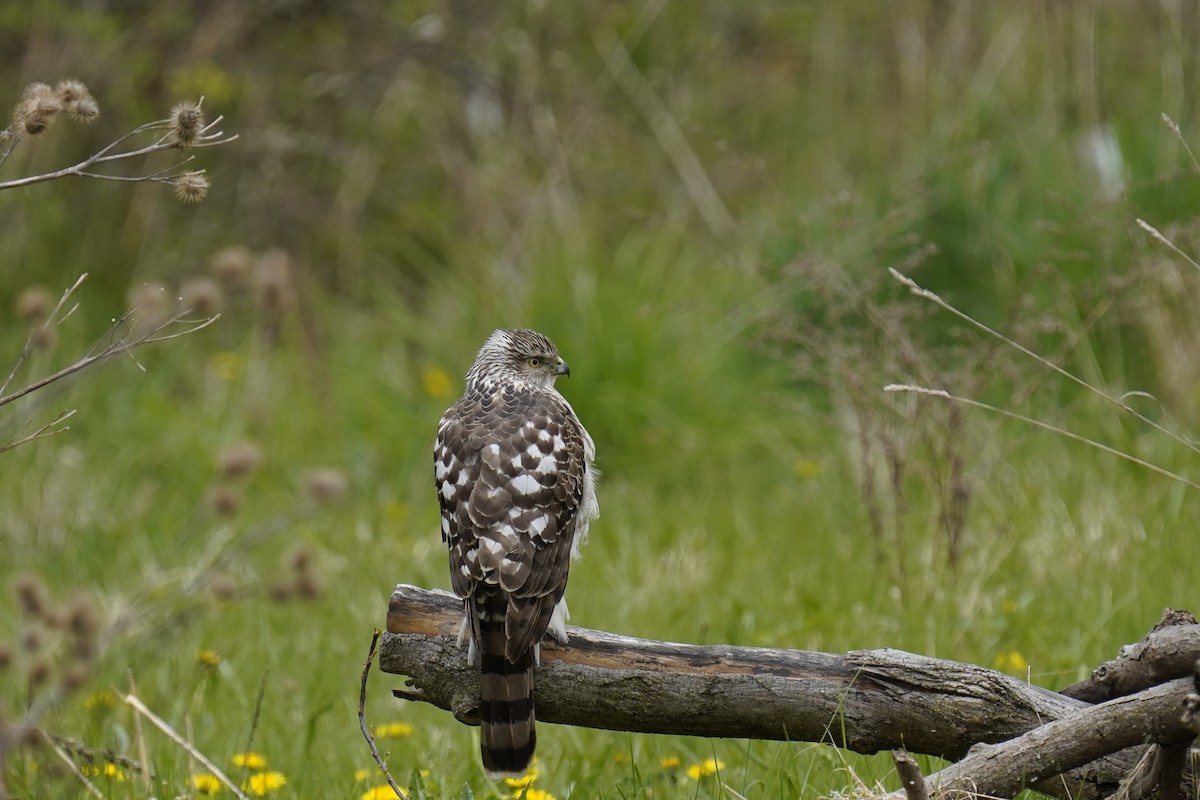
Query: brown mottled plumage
(512, 467)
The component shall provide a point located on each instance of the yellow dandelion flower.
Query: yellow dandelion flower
(206, 783)
(395, 512)
(522, 782)
(208, 658)
(669, 762)
(808, 468)
(620, 758)
(249, 760)
(536, 794)
(107, 770)
(226, 366)
(99, 701)
(382, 792)
(1011, 661)
(436, 382)
(707, 767)
(361, 775)
(262, 783)
(393, 730)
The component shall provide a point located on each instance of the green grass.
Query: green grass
(729, 514)
(721, 376)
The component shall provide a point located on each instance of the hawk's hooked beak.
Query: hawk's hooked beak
(562, 369)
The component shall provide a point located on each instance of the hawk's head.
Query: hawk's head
(519, 355)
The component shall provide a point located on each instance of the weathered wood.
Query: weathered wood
(1060, 745)
(866, 701)
(910, 776)
(1164, 654)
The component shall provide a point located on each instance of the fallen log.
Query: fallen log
(866, 701)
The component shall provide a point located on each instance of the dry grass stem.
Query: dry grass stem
(187, 746)
(669, 135)
(1154, 232)
(942, 393)
(920, 291)
(1174, 128)
(139, 738)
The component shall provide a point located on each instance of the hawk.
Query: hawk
(517, 489)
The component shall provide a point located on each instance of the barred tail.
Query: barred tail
(506, 735)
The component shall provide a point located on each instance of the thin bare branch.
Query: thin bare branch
(116, 348)
(41, 433)
(362, 718)
(51, 319)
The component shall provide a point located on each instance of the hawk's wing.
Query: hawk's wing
(510, 472)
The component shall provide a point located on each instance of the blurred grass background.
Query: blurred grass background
(698, 202)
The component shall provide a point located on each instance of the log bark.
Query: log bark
(866, 701)
(1165, 653)
(1037, 757)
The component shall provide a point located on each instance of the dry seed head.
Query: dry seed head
(326, 485)
(37, 108)
(232, 264)
(273, 290)
(39, 672)
(201, 295)
(77, 100)
(31, 596)
(300, 560)
(281, 592)
(32, 640)
(186, 121)
(225, 501)
(75, 677)
(308, 586)
(191, 187)
(240, 458)
(82, 619)
(223, 586)
(35, 304)
(45, 339)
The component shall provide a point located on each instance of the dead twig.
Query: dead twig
(43, 432)
(121, 345)
(362, 718)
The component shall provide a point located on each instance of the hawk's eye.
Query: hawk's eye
(535, 362)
